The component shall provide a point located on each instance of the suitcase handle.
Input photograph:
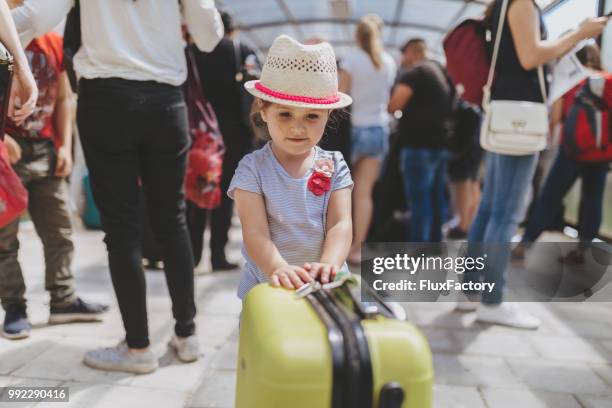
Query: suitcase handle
(391, 396)
(368, 310)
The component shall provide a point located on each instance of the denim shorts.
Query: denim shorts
(369, 142)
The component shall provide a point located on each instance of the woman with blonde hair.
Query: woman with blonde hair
(367, 74)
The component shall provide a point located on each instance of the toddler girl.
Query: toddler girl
(294, 198)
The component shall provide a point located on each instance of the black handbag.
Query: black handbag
(6, 81)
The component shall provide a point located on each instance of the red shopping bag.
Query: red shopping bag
(205, 159)
(13, 195)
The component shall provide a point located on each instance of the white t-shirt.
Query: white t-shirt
(135, 40)
(370, 87)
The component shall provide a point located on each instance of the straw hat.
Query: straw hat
(299, 75)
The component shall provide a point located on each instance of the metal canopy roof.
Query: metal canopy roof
(335, 20)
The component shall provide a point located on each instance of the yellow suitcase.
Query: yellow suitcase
(328, 350)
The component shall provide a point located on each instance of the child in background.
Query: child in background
(294, 198)
(40, 150)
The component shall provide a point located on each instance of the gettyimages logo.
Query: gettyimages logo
(412, 264)
(3, 206)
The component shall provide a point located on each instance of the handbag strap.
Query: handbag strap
(496, 46)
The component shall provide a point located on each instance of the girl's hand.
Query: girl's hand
(323, 271)
(290, 277)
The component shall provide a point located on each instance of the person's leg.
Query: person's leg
(483, 215)
(221, 217)
(462, 202)
(50, 214)
(369, 149)
(591, 200)
(163, 148)
(439, 205)
(479, 225)
(560, 179)
(106, 122)
(510, 185)
(462, 173)
(365, 175)
(512, 181)
(196, 223)
(238, 140)
(48, 206)
(419, 176)
(474, 195)
(12, 285)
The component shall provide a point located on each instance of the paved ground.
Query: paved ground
(567, 363)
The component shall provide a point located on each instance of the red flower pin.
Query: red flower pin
(320, 180)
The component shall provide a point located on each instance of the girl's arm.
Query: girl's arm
(524, 22)
(339, 234)
(256, 235)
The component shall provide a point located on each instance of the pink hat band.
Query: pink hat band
(297, 98)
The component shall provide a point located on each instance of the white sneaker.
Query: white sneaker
(187, 348)
(119, 358)
(507, 314)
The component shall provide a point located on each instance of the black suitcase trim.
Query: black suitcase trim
(352, 368)
(336, 342)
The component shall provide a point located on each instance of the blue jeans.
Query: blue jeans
(559, 181)
(504, 199)
(424, 172)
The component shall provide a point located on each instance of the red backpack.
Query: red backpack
(467, 59)
(205, 159)
(13, 195)
(587, 128)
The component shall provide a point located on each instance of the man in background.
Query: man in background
(222, 74)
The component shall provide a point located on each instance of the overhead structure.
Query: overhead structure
(335, 20)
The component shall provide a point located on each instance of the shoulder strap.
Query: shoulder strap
(498, 36)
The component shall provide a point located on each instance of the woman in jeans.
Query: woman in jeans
(367, 74)
(523, 48)
(133, 127)
(563, 175)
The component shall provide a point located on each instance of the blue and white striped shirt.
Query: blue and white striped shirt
(296, 216)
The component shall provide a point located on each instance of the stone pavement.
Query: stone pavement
(565, 364)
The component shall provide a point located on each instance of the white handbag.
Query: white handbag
(514, 128)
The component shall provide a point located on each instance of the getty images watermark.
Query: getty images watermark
(425, 272)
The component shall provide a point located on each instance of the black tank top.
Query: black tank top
(512, 82)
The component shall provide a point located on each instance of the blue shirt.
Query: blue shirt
(296, 216)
